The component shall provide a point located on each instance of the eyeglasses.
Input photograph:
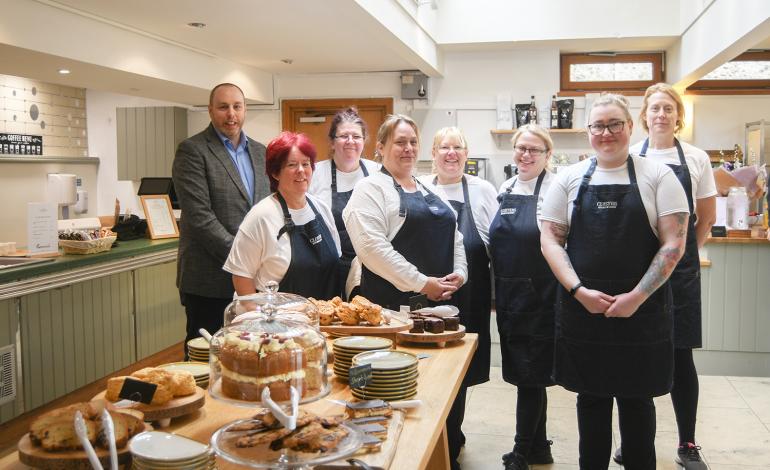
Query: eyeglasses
(613, 127)
(346, 137)
(535, 152)
(449, 148)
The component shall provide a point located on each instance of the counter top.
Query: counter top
(125, 249)
(739, 241)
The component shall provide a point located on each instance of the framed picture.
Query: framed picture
(160, 217)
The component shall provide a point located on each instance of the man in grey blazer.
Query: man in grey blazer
(219, 174)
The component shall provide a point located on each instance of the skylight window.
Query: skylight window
(747, 74)
(629, 73)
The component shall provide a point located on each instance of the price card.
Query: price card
(136, 390)
(360, 376)
(42, 233)
(418, 302)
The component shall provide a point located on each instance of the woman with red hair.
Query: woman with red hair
(288, 237)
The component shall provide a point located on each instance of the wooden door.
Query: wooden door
(313, 117)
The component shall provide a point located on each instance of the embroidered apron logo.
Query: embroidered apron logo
(316, 240)
(607, 205)
(433, 208)
(508, 211)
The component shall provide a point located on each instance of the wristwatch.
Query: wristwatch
(575, 288)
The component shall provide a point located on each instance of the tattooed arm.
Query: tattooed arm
(553, 237)
(672, 232)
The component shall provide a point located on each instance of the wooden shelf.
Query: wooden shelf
(552, 131)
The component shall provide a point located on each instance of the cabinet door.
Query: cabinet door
(160, 318)
(147, 140)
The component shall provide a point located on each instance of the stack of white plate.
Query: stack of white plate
(198, 349)
(348, 346)
(394, 375)
(161, 450)
(199, 370)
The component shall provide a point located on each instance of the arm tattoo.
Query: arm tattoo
(681, 227)
(559, 231)
(660, 269)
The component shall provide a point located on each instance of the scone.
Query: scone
(184, 383)
(348, 313)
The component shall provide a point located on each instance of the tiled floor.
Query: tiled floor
(733, 425)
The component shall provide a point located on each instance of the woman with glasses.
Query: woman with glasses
(662, 116)
(525, 292)
(288, 237)
(623, 220)
(405, 235)
(333, 179)
(474, 201)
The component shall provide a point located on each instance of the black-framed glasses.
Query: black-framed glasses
(614, 127)
(534, 151)
(346, 137)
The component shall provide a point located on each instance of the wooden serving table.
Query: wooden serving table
(423, 438)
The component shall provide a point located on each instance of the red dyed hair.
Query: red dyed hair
(278, 151)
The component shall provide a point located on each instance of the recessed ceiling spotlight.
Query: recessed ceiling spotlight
(287, 61)
(64, 71)
(196, 24)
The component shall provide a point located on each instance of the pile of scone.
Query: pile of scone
(359, 311)
(170, 384)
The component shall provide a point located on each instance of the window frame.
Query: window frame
(627, 87)
(734, 87)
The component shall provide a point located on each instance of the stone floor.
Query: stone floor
(733, 425)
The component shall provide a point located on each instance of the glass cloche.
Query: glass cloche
(289, 306)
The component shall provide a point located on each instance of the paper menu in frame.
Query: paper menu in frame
(160, 217)
(42, 232)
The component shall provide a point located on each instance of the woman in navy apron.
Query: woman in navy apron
(333, 179)
(288, 237)
(525, 293)
(662, 116)
(474, 200)
(623, 220)
(405, 235)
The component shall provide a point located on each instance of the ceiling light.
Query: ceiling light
(287, 61)
(196, 24)
(64, 71)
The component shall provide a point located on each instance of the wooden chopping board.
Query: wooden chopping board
(431, 337)
(377, 460)
(176, 407)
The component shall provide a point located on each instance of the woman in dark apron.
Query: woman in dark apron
(333, 179)
(525, 293)
(662, 116)
(474, 200)
(405, 235)
(614, 312)
(287, 237)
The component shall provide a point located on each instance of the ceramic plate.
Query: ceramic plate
(386, 360)
(163, 446)
(198, 343)
(367, 396)
(197, 369)
(362, 343)
(440, 311)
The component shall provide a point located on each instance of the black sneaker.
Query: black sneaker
(689, 458)
(618, 456)
(541, 455)
(515, 461)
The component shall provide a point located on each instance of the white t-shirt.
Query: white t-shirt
(527, 188)
(258, 253)
(372, 221)
(698, 163)
(321, 184)
(660, 190)
(483, 200)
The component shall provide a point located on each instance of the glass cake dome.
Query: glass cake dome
(252, 306)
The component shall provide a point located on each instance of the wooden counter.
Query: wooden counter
(422, 444)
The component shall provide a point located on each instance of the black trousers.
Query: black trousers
(637, 432)
(202, 312)
(454, 422)
(531, 406)
(684, 394)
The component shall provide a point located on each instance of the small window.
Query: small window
(749, 73)
(622, 72)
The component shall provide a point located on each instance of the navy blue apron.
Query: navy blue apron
(313, 267)
(611, 245)
(474, 298)
(426, 240)
(339, 201)
(685, 280)
(525, 290)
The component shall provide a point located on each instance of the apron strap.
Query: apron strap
(584, 184)
(539, 183)
(288, 224)
(334, 173)
(402, 200)
(682, 162)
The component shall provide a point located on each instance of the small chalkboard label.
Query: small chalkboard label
(360, 376)
(136, 390)
(418, 302)
(718, 231)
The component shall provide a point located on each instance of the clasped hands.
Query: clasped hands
(442, 288)
(621, 305)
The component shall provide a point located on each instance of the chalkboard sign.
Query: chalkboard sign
(21, 144)
(136, 390)
(418, 302)
(360, 376)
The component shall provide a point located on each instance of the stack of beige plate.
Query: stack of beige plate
(394, 375)
(161, 450)
(198, 349)
(199, 370)
(346, 347)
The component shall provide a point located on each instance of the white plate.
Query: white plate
(440, 311)
(156, 445)
(385, 360)
(198, 343)
(197, 369)
(363, 343)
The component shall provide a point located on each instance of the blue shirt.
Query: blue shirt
(241, 159)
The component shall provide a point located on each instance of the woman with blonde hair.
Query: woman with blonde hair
(613, 230)
(525, 292)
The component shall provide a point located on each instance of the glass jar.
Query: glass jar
(289, 306)
(737, 208)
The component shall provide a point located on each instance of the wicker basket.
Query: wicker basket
(79, 247)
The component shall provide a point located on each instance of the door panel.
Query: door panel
(313, 117)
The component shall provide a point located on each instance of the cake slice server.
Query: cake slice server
(82, 433)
